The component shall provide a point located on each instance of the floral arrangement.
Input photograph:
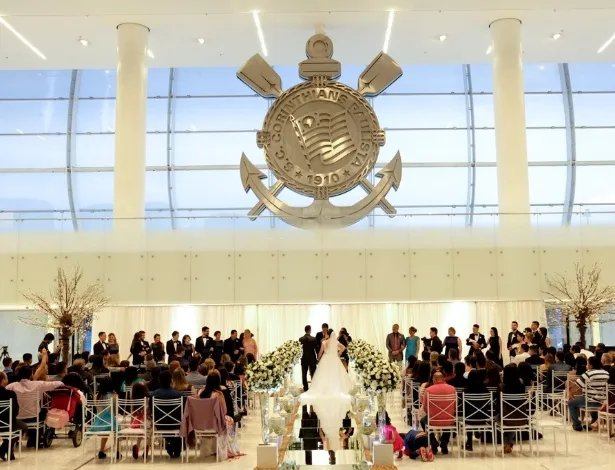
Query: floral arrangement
(376, 373)
(269, 371)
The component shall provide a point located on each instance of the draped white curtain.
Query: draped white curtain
(274, 324)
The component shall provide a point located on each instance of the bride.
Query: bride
(329, 391)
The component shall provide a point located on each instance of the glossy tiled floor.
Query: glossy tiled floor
(585, 451)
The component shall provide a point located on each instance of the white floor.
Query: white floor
(585, 451)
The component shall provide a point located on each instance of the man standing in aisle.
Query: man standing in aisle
(172, 345)
(322, 333)
(476, 338)
(512, 339)
(309, 356)
(101, 346)
(435, 343)
(396, 344)
(232, 346)
(204, 344)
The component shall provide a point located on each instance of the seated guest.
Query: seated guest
(412, 360)
(433, 360)
(527, 374)
(209, 365)
(453, 356)
(491, 362)
(159, 359)
(179, 381)
(166, 390)
(6, 364)
(534, 359)
(580, 367)
(230, 368)
(481, 360)
(131, 377)
(79, 367)
(448, 371)
(425, 355)
(194, 377)
(522, 355)
(98, 366)
(581, 350)
(609, 403)
(593, 383)
(27, 359)
(511, 384)
(60, 371)
(606, 359)
(6, 451)
(543, 368)
(475, 385)
(28, 383)
(458, 380)
(104, 418)
(443, 413)
(470, 363)
(214, 390)
(174, 365)
(226, 387)
(558, 366)
(154, 383)
(493, 378)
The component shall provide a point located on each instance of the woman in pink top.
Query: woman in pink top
(249, 345)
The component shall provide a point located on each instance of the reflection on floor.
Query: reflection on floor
(585, 450)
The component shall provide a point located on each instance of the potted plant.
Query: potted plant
(581, 299)
(68, 307)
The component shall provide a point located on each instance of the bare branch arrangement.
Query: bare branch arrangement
(67, 308)
(581, 300)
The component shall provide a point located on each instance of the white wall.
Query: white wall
(292, 266)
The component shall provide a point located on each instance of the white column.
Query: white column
(509, 105)
(130, 115)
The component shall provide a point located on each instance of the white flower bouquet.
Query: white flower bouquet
(376, 373)
(268, 373)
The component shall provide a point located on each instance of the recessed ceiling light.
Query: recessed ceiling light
(259, 31)
(489, 50)
(387, 34)
(556, 36)
(150, 54)
(604, 46)
(84, 42)
(541, 67)
(19, 36)
(200, 40)
(442, 38)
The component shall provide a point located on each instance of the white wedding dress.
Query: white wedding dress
(329, 393)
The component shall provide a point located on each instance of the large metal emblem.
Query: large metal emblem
(321, 139)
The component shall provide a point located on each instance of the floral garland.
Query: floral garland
(269, 371)
(375, 372)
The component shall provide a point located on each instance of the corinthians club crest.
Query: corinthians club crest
(321, 139)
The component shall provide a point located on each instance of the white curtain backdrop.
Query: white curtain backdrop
(274, 324)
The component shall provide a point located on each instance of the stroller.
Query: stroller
(65, 412)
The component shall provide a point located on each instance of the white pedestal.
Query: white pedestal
(383, 454)
(267, 456)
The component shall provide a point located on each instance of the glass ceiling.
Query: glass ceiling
(57, 131)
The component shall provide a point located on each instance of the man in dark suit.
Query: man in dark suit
(232, 346)
(435, 343)
(172, 345)
(309, 358)
(101, 346)
(396, 344)
(476, 338)
(322, 333)
(512, 339)
(537, 337)
(204, 344)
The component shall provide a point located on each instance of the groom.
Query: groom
(309, 357)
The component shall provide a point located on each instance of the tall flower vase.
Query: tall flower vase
(382, 410)
(264, 402)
